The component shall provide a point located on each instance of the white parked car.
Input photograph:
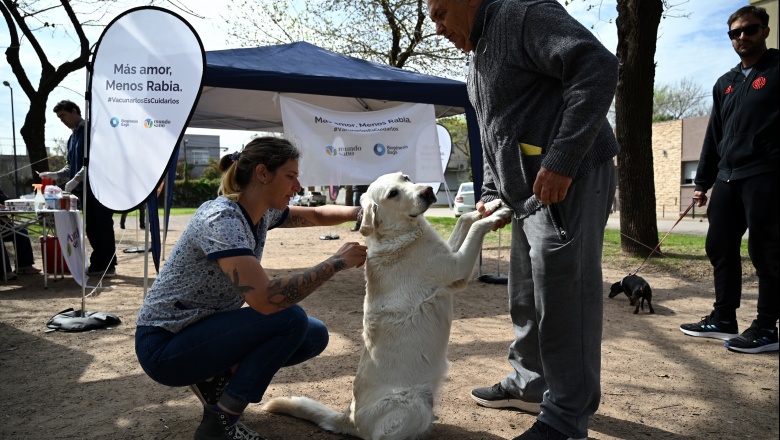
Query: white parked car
(313, 198)
(464, 199)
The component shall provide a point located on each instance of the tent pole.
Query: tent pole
(146, 253)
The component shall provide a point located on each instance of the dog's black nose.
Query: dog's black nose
(428, 195)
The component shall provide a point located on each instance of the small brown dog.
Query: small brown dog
(636, 289)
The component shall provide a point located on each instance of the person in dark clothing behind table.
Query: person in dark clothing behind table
(24, 252)
(99, 219)
(739, 161)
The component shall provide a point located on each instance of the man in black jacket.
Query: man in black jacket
(740, 161)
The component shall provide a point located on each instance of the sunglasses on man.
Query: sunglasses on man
(747, 30)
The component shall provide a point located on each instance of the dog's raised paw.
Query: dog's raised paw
(493, 205)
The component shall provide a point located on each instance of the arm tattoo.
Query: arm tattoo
(296, 221)
(292, 289)
(242, 290)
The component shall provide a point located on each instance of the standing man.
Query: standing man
(739, 161)
(99, 219)
(541, 85)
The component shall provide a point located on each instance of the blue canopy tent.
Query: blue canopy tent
(241, 89)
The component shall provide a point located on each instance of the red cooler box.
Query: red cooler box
(53, 248)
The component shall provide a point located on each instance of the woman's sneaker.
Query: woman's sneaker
(218, 426)
(210, 390)
(754, 340)
(709, 327)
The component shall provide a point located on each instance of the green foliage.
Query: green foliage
(683, 99)
(458, 129)
(212, 172)
(192, 193)
(456, 126)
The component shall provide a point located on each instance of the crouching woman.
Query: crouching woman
(193, 329)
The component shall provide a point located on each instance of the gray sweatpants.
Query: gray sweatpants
(556, 304)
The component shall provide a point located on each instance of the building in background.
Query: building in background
(772, 10)
(676, 149)
(197, 150)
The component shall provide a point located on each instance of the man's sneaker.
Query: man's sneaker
(709, 327)
(754, 340)
(109, 273)
(218, 426)
(210, 390)
(543, 431)
(497, 397)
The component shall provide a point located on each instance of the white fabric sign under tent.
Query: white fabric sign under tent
(354, 147)
(242, 89)
(145, 79)
(70, 234)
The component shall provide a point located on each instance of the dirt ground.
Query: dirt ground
(656, 382)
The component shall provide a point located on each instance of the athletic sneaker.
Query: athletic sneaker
(709, 327)
(217, 426)
(543, 431)
(754, 340)
(211, 389)
(497, 397)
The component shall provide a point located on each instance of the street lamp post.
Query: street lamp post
(13, 129)
(186, 165)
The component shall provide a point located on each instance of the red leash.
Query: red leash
(667, 234)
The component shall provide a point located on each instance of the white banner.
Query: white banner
(349, 148)
(148, 72)
(445, 151)
(71, 238)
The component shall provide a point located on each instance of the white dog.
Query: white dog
(411, 273)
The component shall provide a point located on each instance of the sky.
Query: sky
(692, 44)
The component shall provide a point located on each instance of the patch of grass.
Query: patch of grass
(445, 225)
(178, 211)
(682, 256)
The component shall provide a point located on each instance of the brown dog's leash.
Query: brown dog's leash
(667, 234)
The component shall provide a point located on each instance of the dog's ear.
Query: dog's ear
(369, 217)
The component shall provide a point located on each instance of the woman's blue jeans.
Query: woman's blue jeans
(259, 345)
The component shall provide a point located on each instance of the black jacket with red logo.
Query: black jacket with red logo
(742, 135)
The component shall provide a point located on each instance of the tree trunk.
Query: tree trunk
(637, 26)
(34, 135)
(33, 130)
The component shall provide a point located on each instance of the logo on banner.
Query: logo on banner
(73, 241)
(379, 149)
(331, 151)
(148, 123)
(114, 121)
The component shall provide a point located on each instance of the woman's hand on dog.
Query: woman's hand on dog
(353, 254)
